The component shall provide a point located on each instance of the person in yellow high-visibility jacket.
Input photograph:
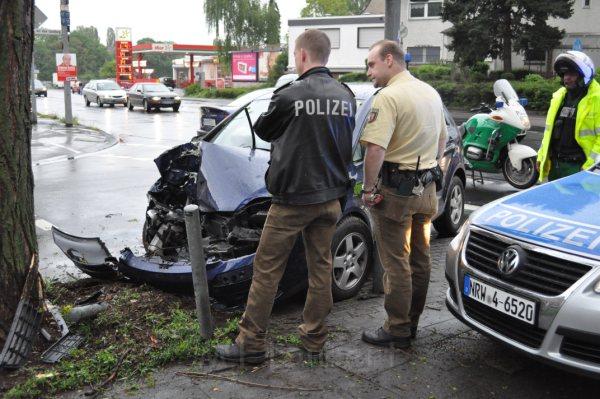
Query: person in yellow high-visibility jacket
(571, 139)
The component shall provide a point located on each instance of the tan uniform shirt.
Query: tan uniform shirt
(407, 119)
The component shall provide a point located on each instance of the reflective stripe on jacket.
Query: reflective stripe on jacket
(587, 127)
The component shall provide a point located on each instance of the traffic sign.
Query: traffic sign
(577, 45)
(38, 17)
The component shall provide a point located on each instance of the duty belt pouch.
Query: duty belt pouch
(438, 177)
(404, 184)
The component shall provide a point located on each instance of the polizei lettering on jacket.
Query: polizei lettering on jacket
(328, 106)
(532, 224)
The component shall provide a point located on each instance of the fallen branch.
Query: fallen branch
(95, 391)
(247, 383)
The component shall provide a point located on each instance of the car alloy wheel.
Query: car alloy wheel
(351, 253)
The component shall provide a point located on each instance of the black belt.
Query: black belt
(405, 180)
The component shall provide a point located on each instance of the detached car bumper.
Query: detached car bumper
(566, 332)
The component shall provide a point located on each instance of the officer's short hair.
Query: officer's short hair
(316, 44)
(389, 47)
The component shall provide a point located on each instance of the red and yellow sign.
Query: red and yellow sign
(124, 57)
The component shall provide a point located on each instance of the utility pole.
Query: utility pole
(65, 22)
(392, 20)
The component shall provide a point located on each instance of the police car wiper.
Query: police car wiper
(251, 128)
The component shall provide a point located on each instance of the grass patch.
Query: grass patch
(151, 327)
(47, 116)
(289, 339)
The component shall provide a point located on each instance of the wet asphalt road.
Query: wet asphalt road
(95, 192)
(102, 192)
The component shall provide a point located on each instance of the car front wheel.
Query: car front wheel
(448, 223)
(147, 106)
(99, 102)
(352, 251)
(87, 102)
(129, 105)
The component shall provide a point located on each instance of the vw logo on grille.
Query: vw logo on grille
(510, 260)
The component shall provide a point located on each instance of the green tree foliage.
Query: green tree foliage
(242, 24)
(493, 28)
(320, 8)
(83, 41)
(109, 69)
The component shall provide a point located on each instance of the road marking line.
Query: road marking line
(471, 207)
(43, 224)
(62, 146)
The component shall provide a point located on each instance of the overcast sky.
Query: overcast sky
(181, 21)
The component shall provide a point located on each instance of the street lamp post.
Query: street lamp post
(64, 17)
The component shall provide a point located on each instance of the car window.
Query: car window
(237, 132)
(108, 86)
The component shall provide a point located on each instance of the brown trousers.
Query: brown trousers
(402, 229)
(284, 222)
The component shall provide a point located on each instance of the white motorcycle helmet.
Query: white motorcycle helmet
(575, 61)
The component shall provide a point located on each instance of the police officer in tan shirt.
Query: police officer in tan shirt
(405, 133)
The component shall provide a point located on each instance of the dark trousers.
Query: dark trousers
(284, 223)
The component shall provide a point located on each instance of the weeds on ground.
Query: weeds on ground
(143, 329)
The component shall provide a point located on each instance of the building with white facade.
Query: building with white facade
(351, 36)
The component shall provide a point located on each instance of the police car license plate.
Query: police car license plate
(209, 121)
(508, 303)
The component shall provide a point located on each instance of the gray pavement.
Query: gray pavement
(447, 360)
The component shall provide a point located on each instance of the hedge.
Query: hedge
(194, 90)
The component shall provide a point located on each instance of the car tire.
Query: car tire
(99, 102)
(111, 105)
(129, 105)
(87, 102)
(449, 222)
(176, 108)
(45, 94)
(146, 106)
(352, 253)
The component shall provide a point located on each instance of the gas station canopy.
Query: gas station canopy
(199, 49)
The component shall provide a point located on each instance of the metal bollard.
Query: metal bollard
(377, 272)
(195, 245)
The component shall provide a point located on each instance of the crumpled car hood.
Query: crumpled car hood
(230, 177)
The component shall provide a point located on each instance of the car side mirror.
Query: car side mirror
(138, 90)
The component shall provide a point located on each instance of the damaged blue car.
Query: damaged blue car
(223, 173)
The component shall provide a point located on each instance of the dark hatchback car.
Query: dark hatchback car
(167, 81)
(224, 174)
(152, 96)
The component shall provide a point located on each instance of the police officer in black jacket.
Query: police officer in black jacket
(309, 124)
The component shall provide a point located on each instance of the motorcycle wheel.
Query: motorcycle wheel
(521, 179)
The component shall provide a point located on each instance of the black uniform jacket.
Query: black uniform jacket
(309, 124)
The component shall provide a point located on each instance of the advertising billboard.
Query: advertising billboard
(66, 66)
(266, 61)
(244, 66)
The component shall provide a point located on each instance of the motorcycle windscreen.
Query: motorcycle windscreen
(502, 88)
(90, 255)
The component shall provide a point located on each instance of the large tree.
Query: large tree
(494, 28)
(17, 226)
(321, 8)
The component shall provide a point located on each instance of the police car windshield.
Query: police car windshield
(238, 133)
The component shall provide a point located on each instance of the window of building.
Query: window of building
(368, 36)
(424, 55)
(334, 36)
(426, 9)
(586, 3)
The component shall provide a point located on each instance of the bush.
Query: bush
(507, 76)
(475, 76)
(192, 90)
(534, 77)
(354, 77)
(481, 67)
(520, 73)
(432, 72)
(279, 67)
(495, 75)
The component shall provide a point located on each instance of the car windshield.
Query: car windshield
(155, 88)
(108, 86)
(237, 132)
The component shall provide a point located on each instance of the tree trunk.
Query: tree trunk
(17, 225)
(507, 42)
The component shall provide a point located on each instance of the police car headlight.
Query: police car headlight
(155, 98)
(597, 287)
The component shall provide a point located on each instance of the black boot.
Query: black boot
(233, 353)
(381, 338)
(413, 332)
